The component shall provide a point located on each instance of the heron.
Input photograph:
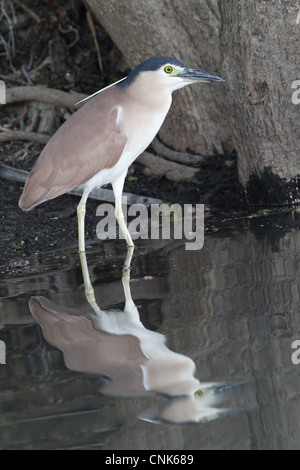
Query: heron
(96, 145)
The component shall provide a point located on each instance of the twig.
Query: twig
(34, 72)
(16, 76)
(11, 24)
(22, 153)
(29, 65)
(67, 31)
(22, 135)
(27, 10)
(93, 31)
(25, 73)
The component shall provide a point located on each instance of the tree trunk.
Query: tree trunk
(188, 30)
(260, 42)
(254, 45)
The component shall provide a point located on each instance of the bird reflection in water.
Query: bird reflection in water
(136, 360)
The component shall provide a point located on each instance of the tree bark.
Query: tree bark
(260, 42)
(188, 30)
(253, 45)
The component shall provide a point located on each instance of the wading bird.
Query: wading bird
(98, 143)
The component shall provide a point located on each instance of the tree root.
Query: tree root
(23, 135)
(180, 157)
(158, 166)
(43, 94)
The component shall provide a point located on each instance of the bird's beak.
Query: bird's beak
(198, 76)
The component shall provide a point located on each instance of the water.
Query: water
(200, 357)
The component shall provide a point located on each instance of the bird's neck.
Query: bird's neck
(149, 95)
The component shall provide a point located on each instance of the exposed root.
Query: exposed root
(158, 166)
(180, 157)
(23, 135)
(43, 94)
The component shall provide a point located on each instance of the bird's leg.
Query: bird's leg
(89, 291)
(118, 189)
(88, 288)
(130, 309)
(126, 266)
(81, 208)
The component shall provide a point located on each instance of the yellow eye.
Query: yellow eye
(168, 69)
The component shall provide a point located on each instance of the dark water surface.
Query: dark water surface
(200, 357)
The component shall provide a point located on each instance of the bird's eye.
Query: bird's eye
(168, 69)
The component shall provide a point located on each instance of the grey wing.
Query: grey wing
(89, 141)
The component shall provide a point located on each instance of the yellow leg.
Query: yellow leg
(126, 266)
(118, 189)
(88, 288)
(130, 308)
(89, 291)
(81, 209)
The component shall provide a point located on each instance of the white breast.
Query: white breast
(140, 123)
